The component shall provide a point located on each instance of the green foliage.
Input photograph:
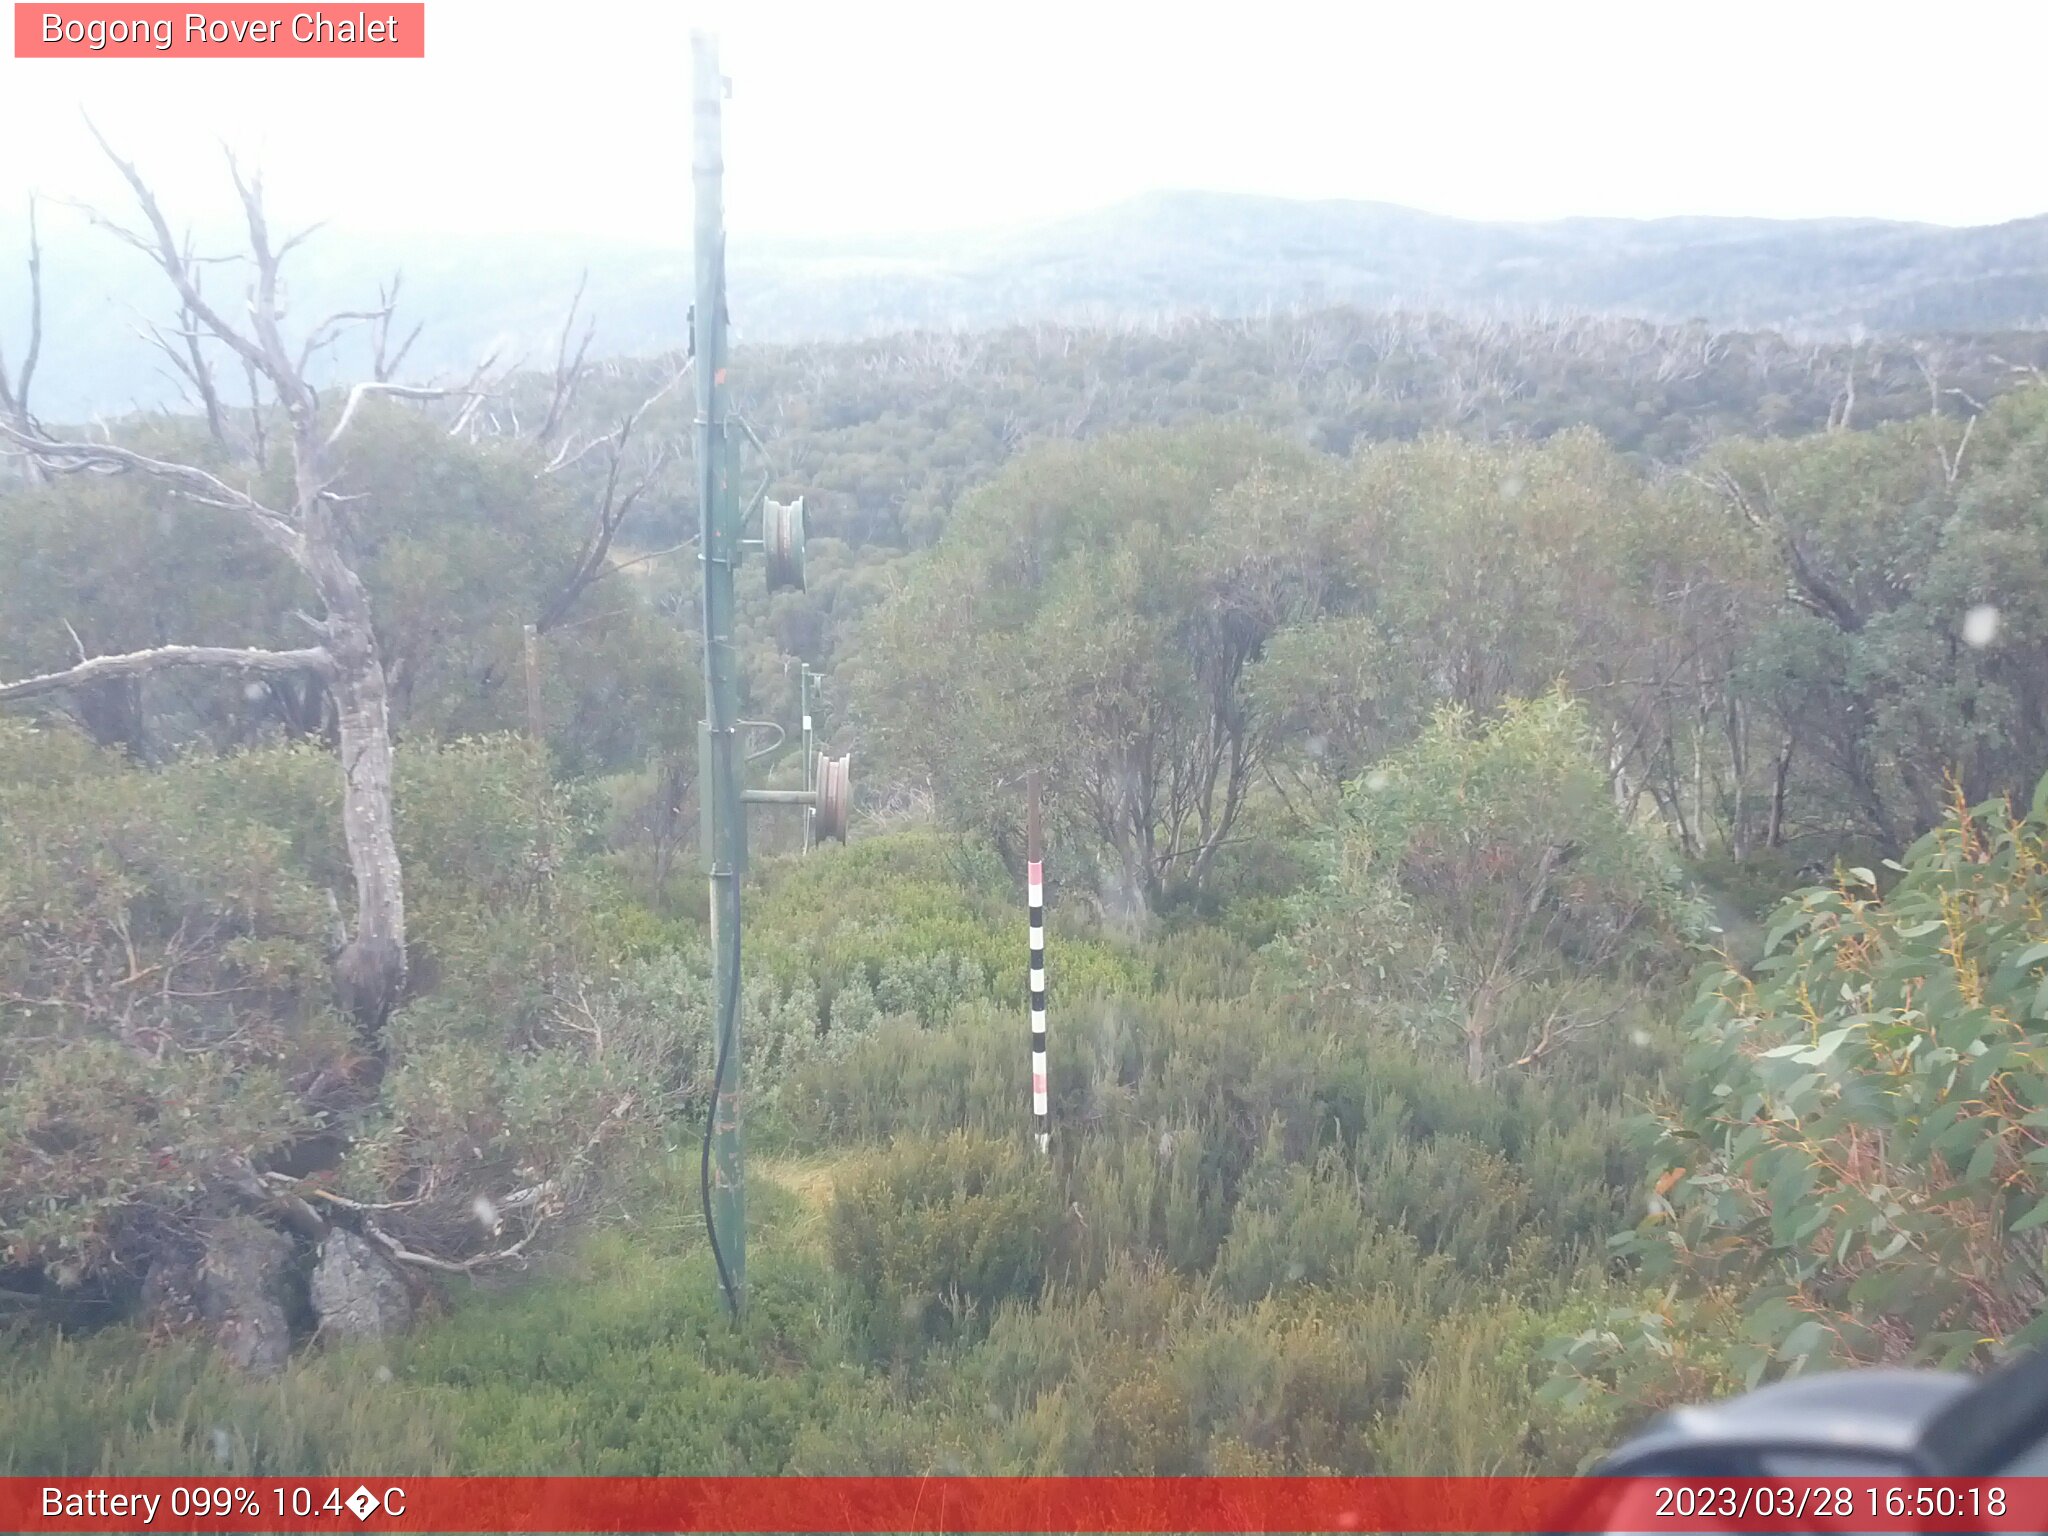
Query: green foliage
(1770, 649)
(1093, 612)
(1483, 891)
(1860, 1146)
(1253, 1239)
(1327, 1192)
(1450, 1422)
(458, 546)
(1337, 693)
(165, 1002)
(1891, 539)
(162, 988)
(1499, 568)
(885, 434)
(126, 565)
(1643, 1353)
(912, 924)
(933, 1236)
(617, 1362)
(1298, 1226)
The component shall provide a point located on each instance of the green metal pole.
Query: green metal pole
(718, 769)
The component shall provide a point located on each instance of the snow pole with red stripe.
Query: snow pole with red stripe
(1034, 853)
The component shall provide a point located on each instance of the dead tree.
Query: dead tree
(14, 409)
(616, 499)
(370, 964)
(188, 361)
(568, 372)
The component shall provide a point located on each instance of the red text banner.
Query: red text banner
(230, 31)
(995, 1504)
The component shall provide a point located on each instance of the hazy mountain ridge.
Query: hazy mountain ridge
(1158, 255)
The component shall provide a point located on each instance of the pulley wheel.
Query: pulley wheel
(835, 796)
(782, 540)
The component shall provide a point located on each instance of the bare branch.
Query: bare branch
(193, 367)
(263, 310)
(399, 1253)
(1810, 586)
(612, 511)
(166, 252)
(476, 394)
(652, 554)
(383, 361)
(165, 658)
(570, 453)
(14, 396)
(35, 312)
(370, 967)
(329, 331)
(100, 221)
(300, 238)
(1952, 465)
(1557, 1030)
(284, 1181)
(568, 371)
(357, 393)
(193, 483)
(591, 565)
(258, 438)
(240, 1175)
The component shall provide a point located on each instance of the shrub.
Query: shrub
(163, 988)
(932, 1236)
(1480, 887)
(165, 1003)
(1861, 1144)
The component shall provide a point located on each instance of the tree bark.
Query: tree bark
(1774, 835)
(1478, 1026)
(370, 967)
(370, 970)
(14, 393)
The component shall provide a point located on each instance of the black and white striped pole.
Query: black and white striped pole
(1034, 877)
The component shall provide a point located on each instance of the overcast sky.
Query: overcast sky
(873, 116)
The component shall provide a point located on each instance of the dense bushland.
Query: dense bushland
(1783, 653)
(1396, 782)
(1260, 1244)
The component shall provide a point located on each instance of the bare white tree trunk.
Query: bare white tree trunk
(14, 390)
(370, 967)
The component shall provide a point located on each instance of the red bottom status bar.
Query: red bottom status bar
(1021, 1504)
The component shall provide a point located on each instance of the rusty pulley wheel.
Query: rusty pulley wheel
(835, 796)
(782, 541)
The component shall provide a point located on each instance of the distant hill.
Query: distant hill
(1164, 255)
(1174, 252)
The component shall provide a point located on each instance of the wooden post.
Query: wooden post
(533, 720)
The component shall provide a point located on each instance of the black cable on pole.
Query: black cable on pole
(730, 1005)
